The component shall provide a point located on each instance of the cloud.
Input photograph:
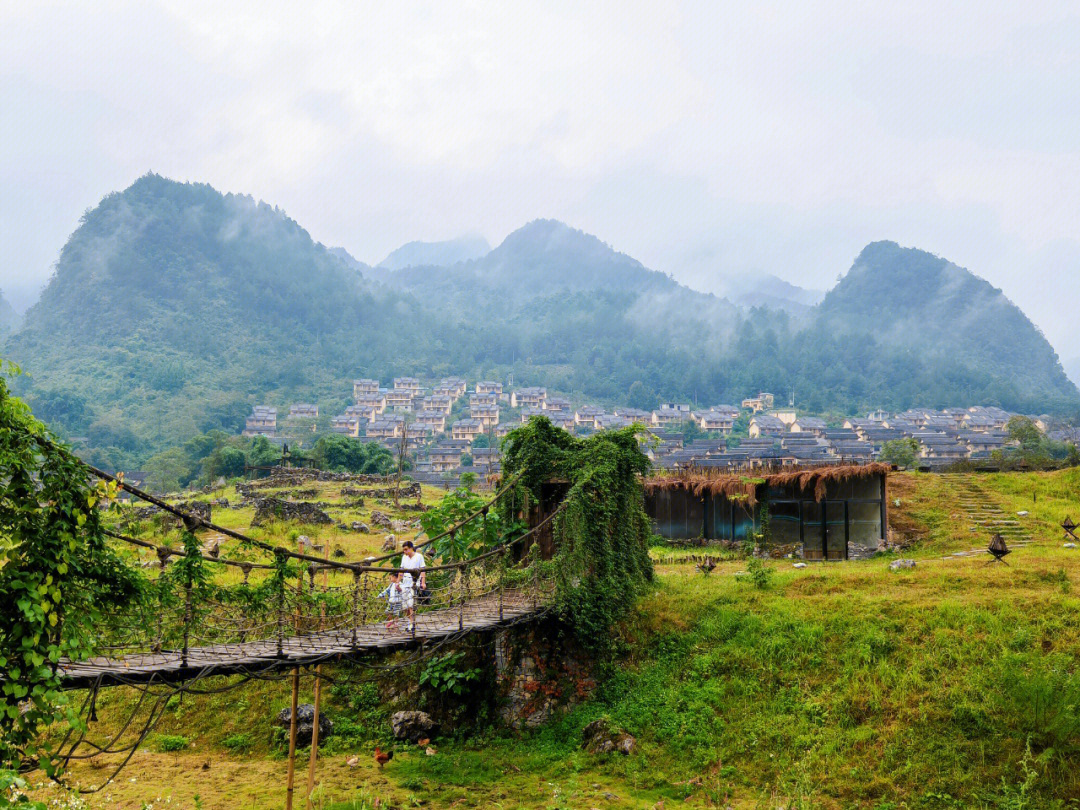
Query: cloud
(703, 138)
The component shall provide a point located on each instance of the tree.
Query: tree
(1024, 430)
(57, 580)
(344, 454)
(901, 452)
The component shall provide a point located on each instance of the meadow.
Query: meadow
(841, 685)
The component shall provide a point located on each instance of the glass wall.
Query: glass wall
(848, 521)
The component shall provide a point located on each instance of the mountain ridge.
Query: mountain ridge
(174, 308)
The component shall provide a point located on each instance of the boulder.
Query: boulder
(305, 723)
(380, 518)
(899, 565)
(599, 737)
(1069, 545)
(413, 726)
(799, 565)
(390, 543)
(399, 526)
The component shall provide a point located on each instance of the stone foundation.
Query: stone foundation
(538, 673)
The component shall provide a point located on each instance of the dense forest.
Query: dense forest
(174, 308)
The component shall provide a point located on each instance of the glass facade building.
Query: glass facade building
(848, 522)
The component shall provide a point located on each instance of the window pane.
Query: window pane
(813, 541)
(721, 518)
(784, 525)
(864, 528)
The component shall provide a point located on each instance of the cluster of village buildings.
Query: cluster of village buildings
(410, 418)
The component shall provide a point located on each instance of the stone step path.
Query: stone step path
(985, 517)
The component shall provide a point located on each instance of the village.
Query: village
(450, 428)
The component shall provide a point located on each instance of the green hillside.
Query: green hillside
(945, 314)
(174, 308)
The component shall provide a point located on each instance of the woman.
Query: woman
(412, 561)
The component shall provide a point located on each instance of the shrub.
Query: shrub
(171, 742)
(237, 743)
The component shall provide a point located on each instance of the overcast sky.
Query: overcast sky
(704, 139)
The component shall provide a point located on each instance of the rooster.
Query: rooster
(382, 757)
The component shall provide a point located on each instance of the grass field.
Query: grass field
(950, 685)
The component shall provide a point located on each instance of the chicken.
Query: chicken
(382, 757)
(352, 761)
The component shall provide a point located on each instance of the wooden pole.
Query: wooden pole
(315, 722)
(292, 739)
(314, 737)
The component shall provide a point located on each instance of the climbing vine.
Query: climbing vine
(601, 532)
(57, 578)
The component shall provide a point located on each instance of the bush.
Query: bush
(237, 743)
(167, 743)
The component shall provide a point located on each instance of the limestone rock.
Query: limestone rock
(389, 543)
(899, 565)
(305, 723)
(598, 737)
(380, 518)
(799, 565)
(413, 726)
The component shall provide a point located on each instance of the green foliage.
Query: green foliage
(238, 743)
(602, 533)
(901, 452)
(760, 574)
(344, 454)
(205, 302)
(12, 787)
(170, 743)
(474, 537)
(445, 674)
(57, 578)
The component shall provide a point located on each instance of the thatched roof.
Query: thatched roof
(742, 486)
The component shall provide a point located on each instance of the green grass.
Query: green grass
(839, 686)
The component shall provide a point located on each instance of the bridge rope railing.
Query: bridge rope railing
(193, 521)
(207, 609)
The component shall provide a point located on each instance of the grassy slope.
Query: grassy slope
(837, 686)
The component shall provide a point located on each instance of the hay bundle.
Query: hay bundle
(739, 486)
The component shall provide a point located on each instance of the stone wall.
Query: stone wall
(539, 671)
(270, 509)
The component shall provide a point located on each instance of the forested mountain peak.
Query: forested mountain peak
(909, 297)
(437, 254)
(549, 254)
(174, 308)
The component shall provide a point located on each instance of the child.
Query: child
(394, 595)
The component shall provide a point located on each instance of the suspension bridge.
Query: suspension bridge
(208, 615)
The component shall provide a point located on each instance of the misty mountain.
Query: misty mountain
(944, 313)
(174, 308)
(766, 290)
(437, 254)
(9, 318)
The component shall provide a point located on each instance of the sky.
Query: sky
(708, 140)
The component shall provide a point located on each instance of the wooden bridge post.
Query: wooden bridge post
(187, 620)
(355, 606)
(315, 727)
(292, 739)
(461, 603)
(502, 580)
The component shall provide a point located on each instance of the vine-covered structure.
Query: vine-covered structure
(825, 513)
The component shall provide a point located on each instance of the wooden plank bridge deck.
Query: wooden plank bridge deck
(479, 614)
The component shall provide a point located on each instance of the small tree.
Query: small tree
(901, 452)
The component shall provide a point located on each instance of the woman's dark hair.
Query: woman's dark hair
(407, 544)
